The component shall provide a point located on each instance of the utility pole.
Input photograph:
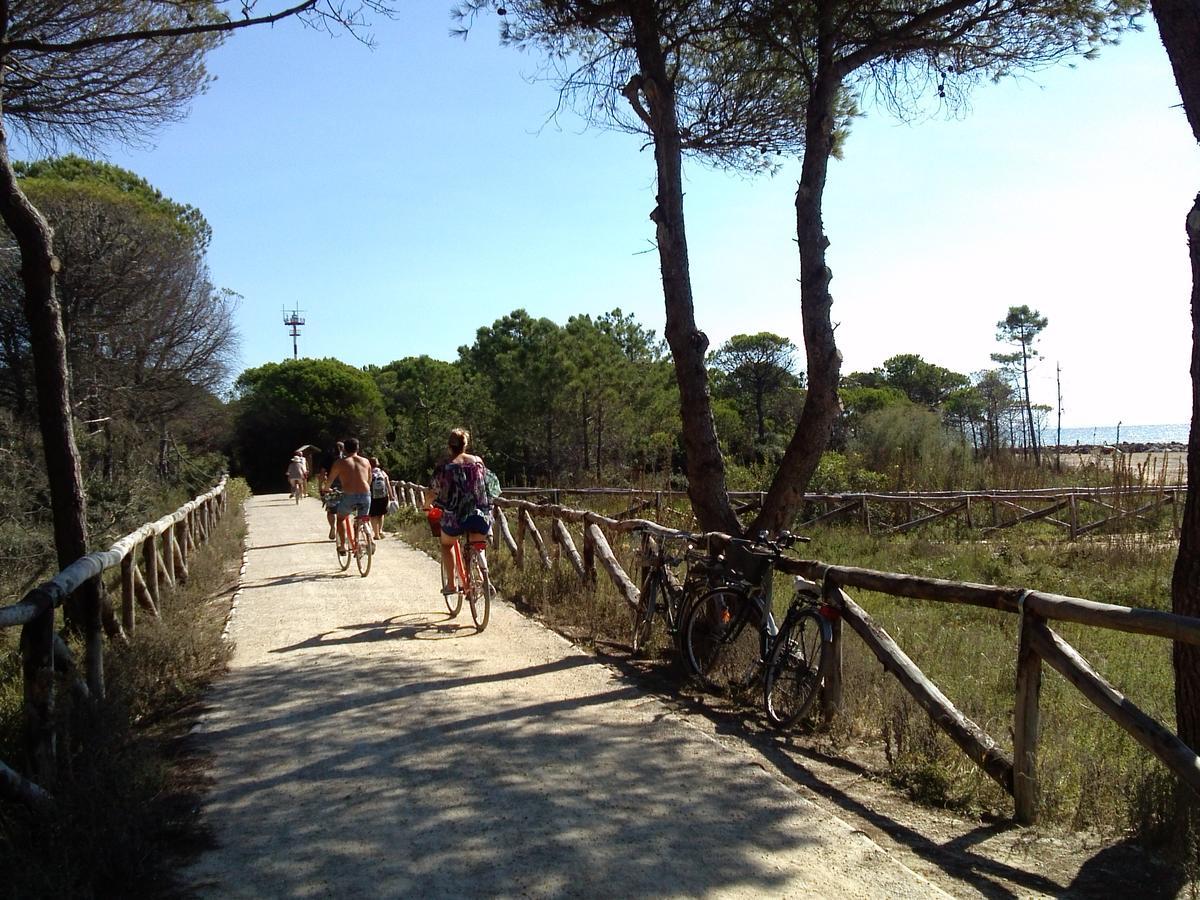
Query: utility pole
(293, 321)
(1058, 436)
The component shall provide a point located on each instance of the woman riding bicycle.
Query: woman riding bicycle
(463, 499)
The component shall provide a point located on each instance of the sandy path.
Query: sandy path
(366, 745)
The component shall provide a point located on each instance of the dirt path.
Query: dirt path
(364, 744)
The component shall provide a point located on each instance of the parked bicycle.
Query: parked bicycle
(797, 661)
(728, 633)
(662, 592)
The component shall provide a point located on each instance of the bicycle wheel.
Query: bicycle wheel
(365, 551)
(720, 639)
(643, 613)
(796, 668)
(480, 595)
(344, 552)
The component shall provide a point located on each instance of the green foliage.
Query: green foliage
(754, 374)
(911, 447)
(282, 406)
(97, 176)
(591, 401)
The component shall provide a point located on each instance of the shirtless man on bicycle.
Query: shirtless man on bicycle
(354, 473)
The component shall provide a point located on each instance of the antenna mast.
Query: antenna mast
(293, 321)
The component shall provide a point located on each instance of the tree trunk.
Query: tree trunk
(48, 347)
(821, 404)
(1033, 437)
(1179, 28)
(705, 465)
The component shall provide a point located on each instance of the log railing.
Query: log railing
(164, 548)
(1076, 511)
(1036, 642)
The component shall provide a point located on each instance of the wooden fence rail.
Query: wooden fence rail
(1083, 510)
(1037, 642)
(164, 547)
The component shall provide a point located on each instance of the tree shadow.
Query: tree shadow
(786, 755)
(411, 783)
(403, 627)
(257, 547)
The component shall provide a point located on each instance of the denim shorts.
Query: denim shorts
(473, 524)
(354, 503)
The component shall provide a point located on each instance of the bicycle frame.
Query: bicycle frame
(459, 567)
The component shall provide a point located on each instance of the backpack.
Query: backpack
(492, 484)
(378, 485)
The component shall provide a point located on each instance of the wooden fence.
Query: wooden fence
(1037, 642)
(151, 560)
(1076, 511)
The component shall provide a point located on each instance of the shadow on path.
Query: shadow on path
(474, 791)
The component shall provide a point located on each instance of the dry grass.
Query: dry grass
(1094, 776)
(123, 795)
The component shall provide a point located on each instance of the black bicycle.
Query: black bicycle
(661, 592)
(799, 654)
(727, 634)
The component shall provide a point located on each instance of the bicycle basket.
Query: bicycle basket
(751, 566)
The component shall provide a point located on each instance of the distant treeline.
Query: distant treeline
(594, 401)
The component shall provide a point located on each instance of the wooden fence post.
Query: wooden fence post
(563, 537)
(178, 548)
(976, 743)
(505, 533)
(1026, 720)
(93, 641)
(166, 558)
(609, 560)
(37, 667)
(519, 549)
(589, 554)
(1074, 518)
(142, 592)
(150, 564)
(128, 588)
(538, 543)
(831, 690)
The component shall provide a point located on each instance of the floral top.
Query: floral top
(462, 493)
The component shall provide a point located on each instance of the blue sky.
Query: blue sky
(404, 196)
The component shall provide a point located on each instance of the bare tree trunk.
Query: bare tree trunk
(1033, 436)
(821, 404)
(49, 351)
(1179, 28)
(705, 465)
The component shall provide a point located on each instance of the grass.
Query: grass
(124, 803)
(1094, 777)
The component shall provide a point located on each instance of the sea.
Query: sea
(1126, 434)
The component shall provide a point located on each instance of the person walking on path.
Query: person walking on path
(382, 493)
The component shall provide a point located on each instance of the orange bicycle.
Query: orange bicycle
(357, 542)
(470, 577)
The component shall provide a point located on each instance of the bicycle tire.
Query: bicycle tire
(643, 613)
(796, 668)
(480, 596)
(720, 643)
(347, 550)
(455, 597)
(366, 547)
